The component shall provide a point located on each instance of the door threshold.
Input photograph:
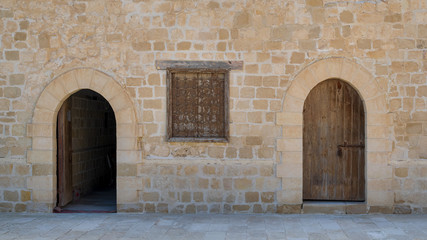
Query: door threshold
(334, 207)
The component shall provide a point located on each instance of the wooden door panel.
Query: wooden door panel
(65, 185)
(333, 143)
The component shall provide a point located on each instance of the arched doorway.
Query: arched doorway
(42, 130)
(333, 143)
(86, 154)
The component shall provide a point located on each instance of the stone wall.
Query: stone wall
(186, 186)
(277, 41)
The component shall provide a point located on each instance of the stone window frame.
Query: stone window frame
(193, 67)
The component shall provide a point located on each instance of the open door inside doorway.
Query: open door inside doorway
(86, 154)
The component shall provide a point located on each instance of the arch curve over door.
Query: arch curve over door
(334, 143)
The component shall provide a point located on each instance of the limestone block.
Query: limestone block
(69, 82)
(242, 184)
(185, 196)
(6, 169)
(20, 207)
(125, 116)
(289, 145)
(289, 208)
(150, 196)
(267, 197)
(43, 130)
(377, 104)
(153, 103)
(126, 169)
(289, 170)
(292, 104)
(260, 104)
(292, 157)
(378, 157)
(191, 170)
(291, 184)
(362, 79)
(22, 169)
(125, 196)
(245, 152)
(401, 172)
(379, 145)
(216, 152)
(57, 90)
(128, 183)
(379, 184)
(25, 196)
(377, 131)
(41, 156)
(379, 171)
(289, 197)
(370, 90)
(266, 152)
(241, 208)
(44, 196)
(251, 197)
(111, 89)
(361, 208)
(83, 77)
(11, 55)
(147, 169)
(44, 143)
(44, 116)
(11, 196)
(289, 118)
(379, 119)
(380, 198)
(18, 130)
(129, 157)
(48, 102)
(127, 129)
(120, 101)
(99, 80)
(125, 143)
(12, 92)
(41, 183)
(4, 104)
(300, 87)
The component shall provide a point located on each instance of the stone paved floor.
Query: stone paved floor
(215, 226)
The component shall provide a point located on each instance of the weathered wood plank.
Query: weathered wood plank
(333, 120)
(226, 65)
(65, 185)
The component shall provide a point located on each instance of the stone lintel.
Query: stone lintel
(227, 65)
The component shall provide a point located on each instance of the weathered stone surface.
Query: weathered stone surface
(402, 209)
(11, 196)
(289, 208)
(12, 55)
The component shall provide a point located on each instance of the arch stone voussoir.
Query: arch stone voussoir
(290, 148)
(42, 130)
(83, 77)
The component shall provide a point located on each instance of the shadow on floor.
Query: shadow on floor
(99, 201)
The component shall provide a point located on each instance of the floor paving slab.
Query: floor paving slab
(211, 226)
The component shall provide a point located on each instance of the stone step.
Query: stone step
(334, 207)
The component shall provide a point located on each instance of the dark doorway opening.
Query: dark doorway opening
(86, 156)
(334, 143)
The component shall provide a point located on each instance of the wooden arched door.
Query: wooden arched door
(334, 143)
